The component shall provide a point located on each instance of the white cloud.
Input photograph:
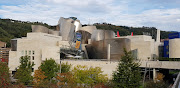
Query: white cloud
(161, 19)
(93, 11)
(52, 9)
(178, 20)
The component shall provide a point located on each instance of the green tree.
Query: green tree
(159, 84)
(38, 76)
(85, 76)
(66, 80)
(65, 67)
(24, 71)
(128, 73)
(4, 75)
(50, 67)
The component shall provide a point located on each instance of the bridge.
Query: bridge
(109, 66)
(160, 64)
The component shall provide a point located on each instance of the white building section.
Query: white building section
(96, 43)
(174, 48)
(39, 46)
(143, 46)
(109, 66)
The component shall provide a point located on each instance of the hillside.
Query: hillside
(10, 29)
(125, 30)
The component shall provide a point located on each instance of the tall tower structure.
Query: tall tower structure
(157, 44)
(158, 36)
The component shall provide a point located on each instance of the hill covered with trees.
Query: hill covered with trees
(10, 29)
(125, 30)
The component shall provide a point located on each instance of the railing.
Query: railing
(162, 64)
(177, 82)
(150, 64)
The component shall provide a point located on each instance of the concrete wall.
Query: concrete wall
(174, 48)
(13, 60)
(51, 52)
(107, 67)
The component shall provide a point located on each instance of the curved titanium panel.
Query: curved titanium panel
(67, 29)
(89, 29)
(98, 35)
(78, 25)
(85, 36)
(98, 49)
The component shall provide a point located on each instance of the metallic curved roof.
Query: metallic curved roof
(89, 29)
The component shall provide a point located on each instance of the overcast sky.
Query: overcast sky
(162, 14)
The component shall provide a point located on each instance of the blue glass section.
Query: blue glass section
(166, 49)
(174, 35)
(78, 36)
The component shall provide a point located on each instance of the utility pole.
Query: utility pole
(108, 52)
(149, 72)
(145, 74)
(60, 60)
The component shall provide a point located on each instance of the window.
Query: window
(33, 52)
(32, 69)
(32, 57)
(29, 52)
(26, 52)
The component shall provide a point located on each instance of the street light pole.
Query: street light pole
(60, 60)
(145, 74)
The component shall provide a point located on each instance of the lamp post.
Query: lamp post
(60, 60)
(145, 73)
(108, 52)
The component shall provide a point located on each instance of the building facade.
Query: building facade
(143, 46)
(39, 46)
(4, 52)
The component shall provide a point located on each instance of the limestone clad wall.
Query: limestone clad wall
(174, 48)
(145, 46)
(38, 46)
